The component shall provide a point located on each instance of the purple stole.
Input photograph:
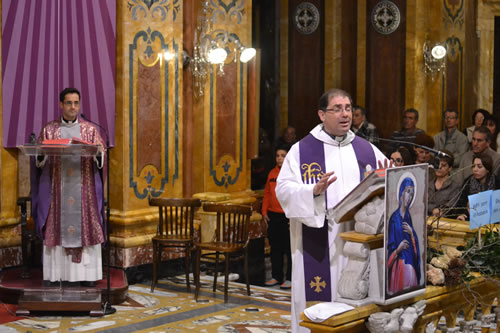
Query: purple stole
(316, 251)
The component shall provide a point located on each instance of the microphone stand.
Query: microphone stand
(438, 154)
(107, 308)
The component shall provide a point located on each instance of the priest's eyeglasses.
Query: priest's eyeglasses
(70, 103)
(338, 109)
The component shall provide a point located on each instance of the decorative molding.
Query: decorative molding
(222, 12)
(453, 12)
(454, 55)
(143, 181)
(306, 18)
(385, 17)
(157, 8)
(227, 170)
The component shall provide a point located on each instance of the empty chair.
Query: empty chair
(175, 229)
(230, 238)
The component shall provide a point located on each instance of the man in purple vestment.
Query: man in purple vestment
(67, 200)
(318, 172)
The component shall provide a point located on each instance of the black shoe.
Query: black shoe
(90, 284)
(47, 283)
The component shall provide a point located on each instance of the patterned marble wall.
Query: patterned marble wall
(485, 30)
(147, 160)
(221, 163)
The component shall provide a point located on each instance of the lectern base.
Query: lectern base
(13, 287)
(61, 300)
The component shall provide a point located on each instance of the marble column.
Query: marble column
(10, 231)
(147, 159)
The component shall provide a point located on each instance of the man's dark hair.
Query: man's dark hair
(451, 111)
(484, 130)
(363, 111)
(424, 140)
(66, 91)
(411, 110)
(329, 94)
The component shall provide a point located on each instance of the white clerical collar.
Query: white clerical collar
(339, 139)
(69, 122)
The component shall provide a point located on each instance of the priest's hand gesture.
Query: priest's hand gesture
(324, 182)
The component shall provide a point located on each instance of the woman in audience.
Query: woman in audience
(401, 157)
(482, 179)
(423, 155)
(442, 189)
(491, 124)
(478, 119)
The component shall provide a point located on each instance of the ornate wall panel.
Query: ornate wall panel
(154, 144)
(149, 107)
(147, 160)
(485, 30)
(452, 85)
(224, 105)
(385, 66)
(349, 14)
(227, 129)
(306, 63)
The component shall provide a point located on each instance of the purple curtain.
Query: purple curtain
(50, 45)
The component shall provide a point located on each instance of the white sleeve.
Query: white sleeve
(99, 162)
(40, 164)
(295, 197)
(380, 157)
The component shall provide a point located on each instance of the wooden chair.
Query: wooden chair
(175, 229)
(231, 237)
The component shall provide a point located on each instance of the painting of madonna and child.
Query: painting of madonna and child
(405, 231)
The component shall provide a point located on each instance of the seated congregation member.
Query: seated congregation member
(423, 155)
(482, 179)
(361, 126)
(408, 132)
(278, 226)
(478, 119)
(318, 172)
(491, 124)
(401, 157)
(481, 139)
(451, 138)
(443, 190)
(288, 138)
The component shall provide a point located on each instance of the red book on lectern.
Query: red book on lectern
(79, 141)
(57, 142)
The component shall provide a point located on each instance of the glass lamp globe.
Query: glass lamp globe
(438, 52)
(247, 54)
(217, 55)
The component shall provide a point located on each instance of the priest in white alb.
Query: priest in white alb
(317, 173)
(67, 200)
